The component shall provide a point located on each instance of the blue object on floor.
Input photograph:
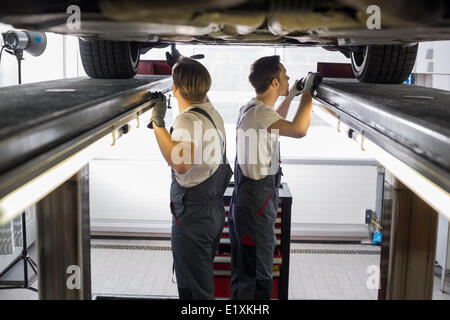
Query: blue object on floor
(376, 239)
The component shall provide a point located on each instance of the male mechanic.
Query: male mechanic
(199, 178)
(258, 173)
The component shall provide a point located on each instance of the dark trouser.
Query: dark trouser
(197, 224)
(252, 231)
(194, 247)
(252, 264)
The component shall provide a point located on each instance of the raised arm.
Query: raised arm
(298, 127)
(165, 142)
(283, 108)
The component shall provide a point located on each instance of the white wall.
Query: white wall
(331, 193)
(443, 242)
(433, 65)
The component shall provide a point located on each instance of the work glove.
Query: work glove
(159, 110)
(293, 91)
(309, 83)
(172, 57)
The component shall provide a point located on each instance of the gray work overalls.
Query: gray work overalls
(197, 223)
(252, 216)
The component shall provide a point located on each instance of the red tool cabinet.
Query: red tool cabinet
(155, 67)
(222, 261)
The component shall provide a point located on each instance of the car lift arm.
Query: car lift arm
(406, 126)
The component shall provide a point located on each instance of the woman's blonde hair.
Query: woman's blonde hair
(192, 79)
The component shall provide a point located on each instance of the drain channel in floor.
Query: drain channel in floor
(130, 247)
(293, 251)
(337, 251)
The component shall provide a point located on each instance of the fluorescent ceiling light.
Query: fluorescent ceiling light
(36, 189)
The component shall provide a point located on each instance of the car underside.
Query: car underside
(127, 28)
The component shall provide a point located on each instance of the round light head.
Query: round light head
(30, 41)
(15, 40)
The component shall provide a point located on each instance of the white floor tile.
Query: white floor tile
(149, 272)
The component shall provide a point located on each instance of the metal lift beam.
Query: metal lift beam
(42, 124)
(410, 122)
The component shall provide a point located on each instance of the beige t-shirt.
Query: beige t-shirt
(257, 149)
(191, 126)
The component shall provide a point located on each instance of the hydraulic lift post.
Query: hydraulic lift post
(63, 241)
(412, 246)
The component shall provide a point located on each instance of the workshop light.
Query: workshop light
(33, 42)
(432, 194)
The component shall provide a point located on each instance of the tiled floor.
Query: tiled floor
(149, 272)
(437, 294)
(331, 276)
(312, 276)
(132, 272)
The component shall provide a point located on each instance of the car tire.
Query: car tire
(384, 63)
(104, 59)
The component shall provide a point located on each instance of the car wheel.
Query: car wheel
(104, 59)
(383, 63)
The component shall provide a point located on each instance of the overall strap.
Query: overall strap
(206, 114)
(242, 115)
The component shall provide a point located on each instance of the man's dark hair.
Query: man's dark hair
(263, 71)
